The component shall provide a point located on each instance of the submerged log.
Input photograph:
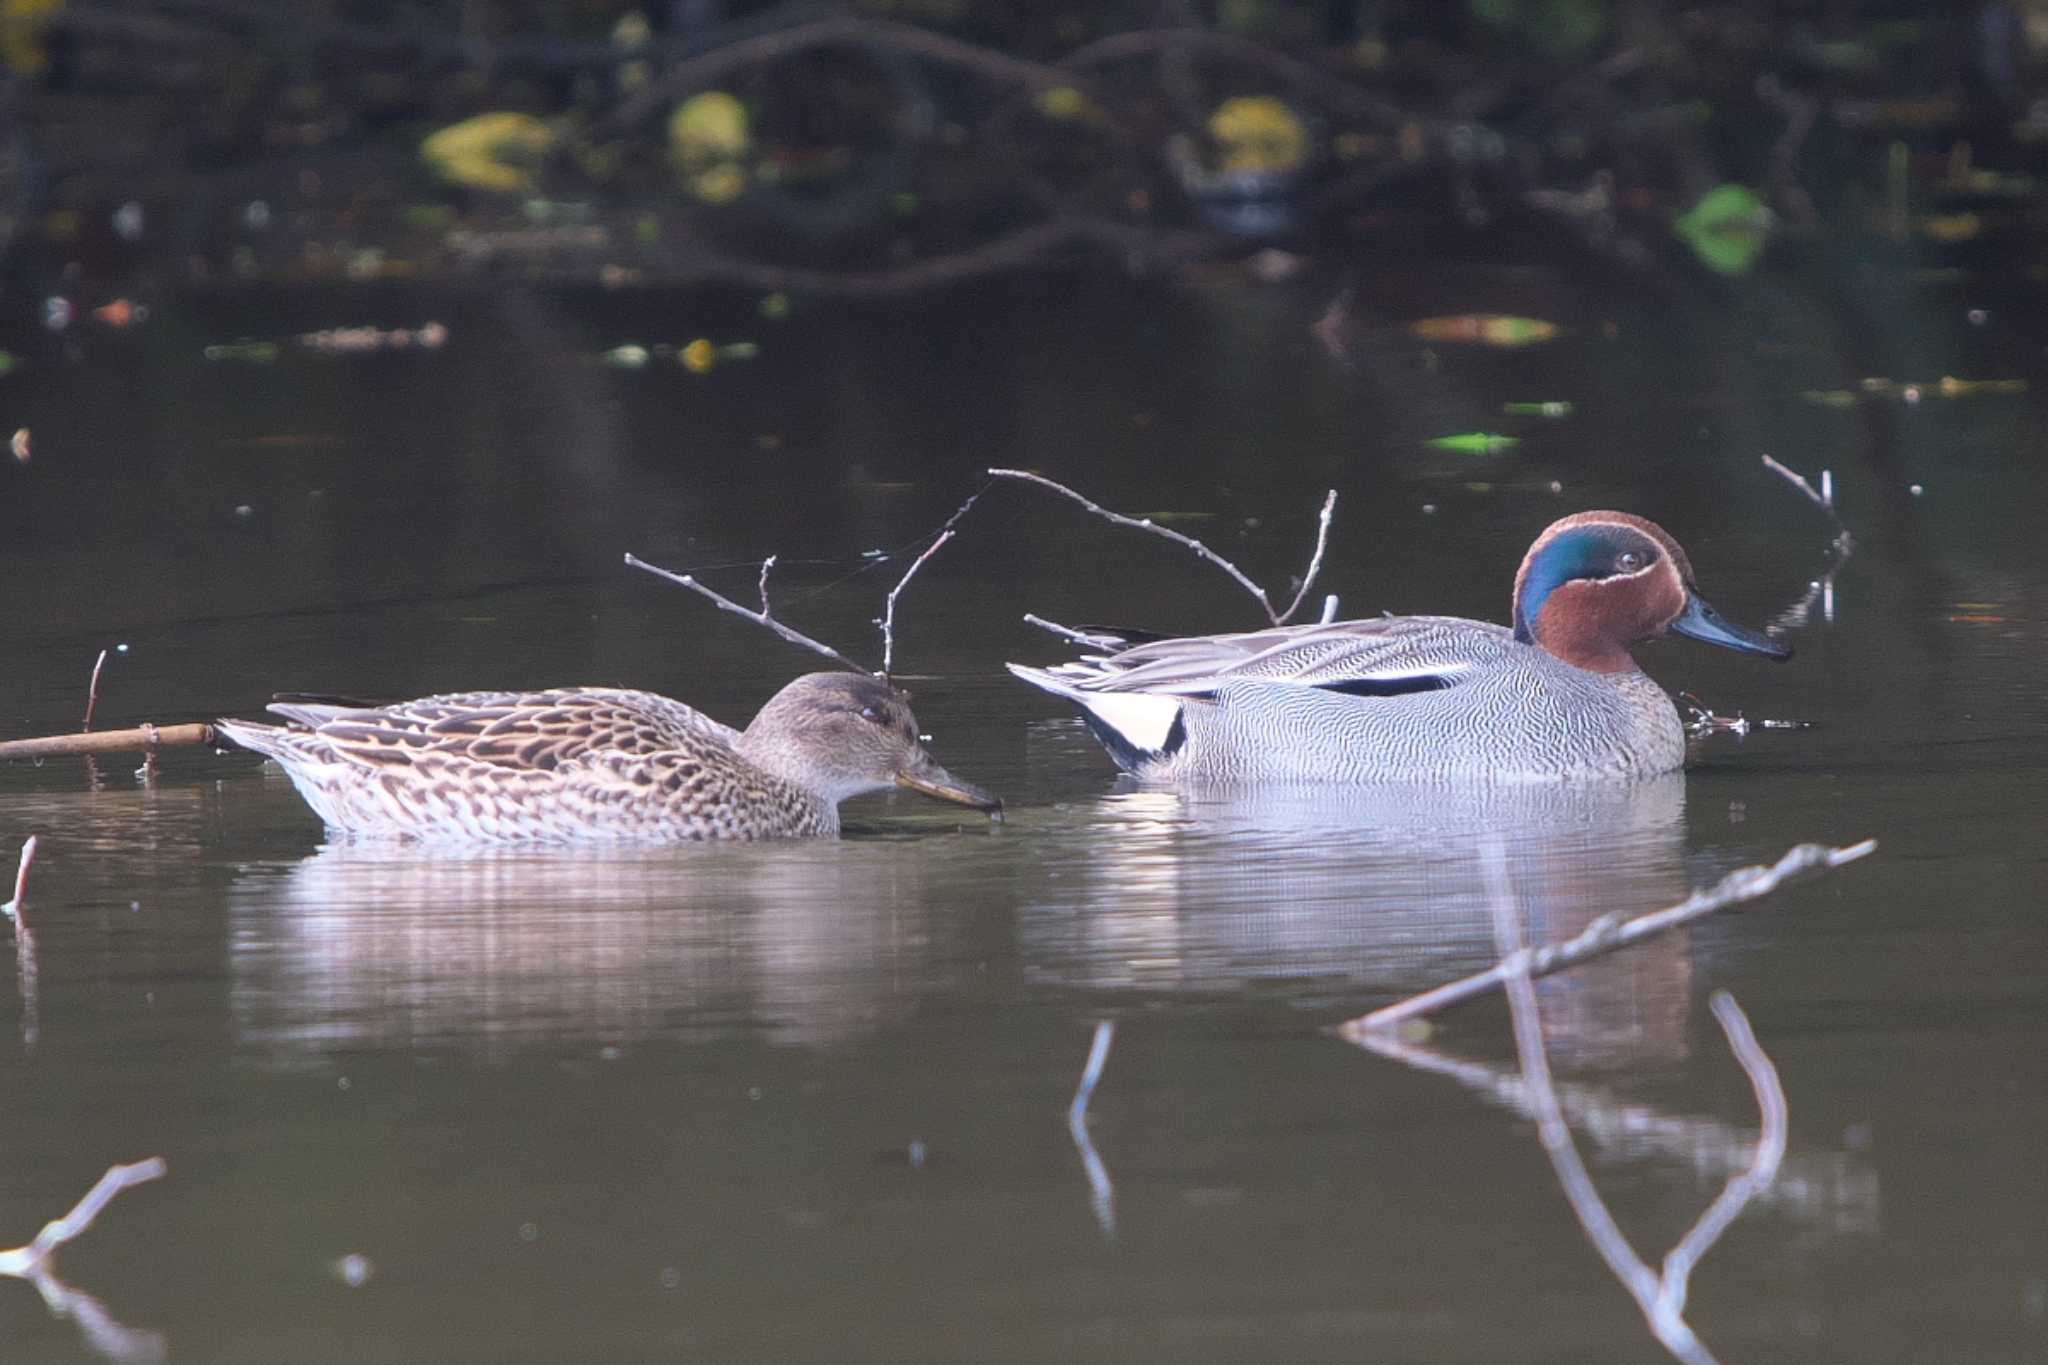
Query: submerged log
(143, 738)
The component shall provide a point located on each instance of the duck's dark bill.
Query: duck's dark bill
(933, 780)
(1701, 622)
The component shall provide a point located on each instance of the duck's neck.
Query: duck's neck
(1583, 626)
(1592, 652)
(772, 754)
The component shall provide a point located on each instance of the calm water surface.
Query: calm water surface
(807, 1102)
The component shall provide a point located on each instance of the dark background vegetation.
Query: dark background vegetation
(893, 145)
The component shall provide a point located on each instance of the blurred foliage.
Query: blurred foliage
(495, 151)
(1727, 228)
(708, 137)
(1560, 28)
(636, 139)
(22, 25)
(1257, 133)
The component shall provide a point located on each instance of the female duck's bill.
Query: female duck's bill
(1558, 695)
(595, 763)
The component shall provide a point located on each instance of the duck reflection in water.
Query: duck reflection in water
(398, 946)
(1375, 888)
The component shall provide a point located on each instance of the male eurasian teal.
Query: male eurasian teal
(1433, 697)
(602, 763)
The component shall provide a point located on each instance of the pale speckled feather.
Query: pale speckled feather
(568, 763)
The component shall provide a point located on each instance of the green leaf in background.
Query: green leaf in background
(1727, 228)
(1475, 443)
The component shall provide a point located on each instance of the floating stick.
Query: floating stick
(143, 737)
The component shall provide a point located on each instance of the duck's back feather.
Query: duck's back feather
(532, 730)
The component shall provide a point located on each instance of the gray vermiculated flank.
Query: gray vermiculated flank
(1486, 706)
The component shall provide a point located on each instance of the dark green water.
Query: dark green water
(806, 1103)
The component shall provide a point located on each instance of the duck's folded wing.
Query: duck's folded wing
(513, 729)
(1361, 658)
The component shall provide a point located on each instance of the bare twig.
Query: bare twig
(760, 618)
(889, 609)
(1763, 1166)
(1822, 497)
(766, 565)
(1611, 931)
(1278, 618)
(1101, 1192)
(1068, 633)
(146, 738)
(14, 908)
(1556, 1136)
(1315, 562)
(92, 691)
(23, 1260)
(28, 974)
(1822, 589)
(1825, 502)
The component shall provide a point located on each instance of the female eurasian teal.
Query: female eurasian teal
(1434, 697)
(601, 763)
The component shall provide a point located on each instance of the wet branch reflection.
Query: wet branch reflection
(1101, 1192)
(104, 1335)
(1832, 1191)
(1661, 1295)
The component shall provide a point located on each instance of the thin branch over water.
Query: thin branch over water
(1611, 931)
(886, 622)
(1278, 618)
(92, 691)
(1660, 1297)
(759, 618)
(889, 609)
(14, 908)
(23, 1260)
(1072, 636)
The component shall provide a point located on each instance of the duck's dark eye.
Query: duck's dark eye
(1628, 561)
(869, 713)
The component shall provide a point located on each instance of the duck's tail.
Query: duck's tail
(279, 743)
(1140, 729)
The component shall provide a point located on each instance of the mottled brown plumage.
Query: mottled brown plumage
(600, 763)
